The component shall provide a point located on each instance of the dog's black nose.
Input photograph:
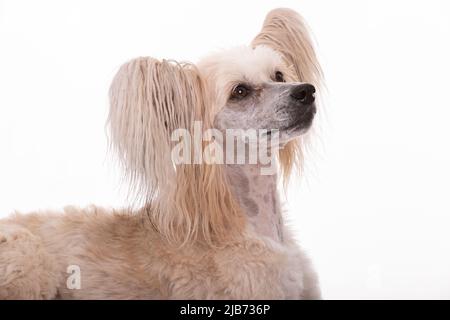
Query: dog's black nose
(303, 93)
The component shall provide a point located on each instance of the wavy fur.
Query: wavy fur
(149, 99)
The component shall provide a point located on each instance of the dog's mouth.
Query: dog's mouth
(302, 120)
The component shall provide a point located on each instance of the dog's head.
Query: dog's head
(253, 88)
(270, 85)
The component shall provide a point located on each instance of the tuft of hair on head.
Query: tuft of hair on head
(285, 31)
(149, 99)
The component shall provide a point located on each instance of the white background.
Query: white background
(373, 209)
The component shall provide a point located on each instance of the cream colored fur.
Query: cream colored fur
(195, 236)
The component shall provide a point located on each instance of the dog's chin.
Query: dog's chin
(299, 126)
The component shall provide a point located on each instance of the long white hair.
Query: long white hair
(149, 99)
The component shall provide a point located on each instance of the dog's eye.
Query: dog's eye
(239, 92)
(279, 77)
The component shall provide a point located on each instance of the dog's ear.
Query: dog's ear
(149, 99)
(285, 32)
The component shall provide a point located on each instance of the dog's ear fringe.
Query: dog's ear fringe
(285, 32)
(148, 100)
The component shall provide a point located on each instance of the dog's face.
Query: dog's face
(253, 89)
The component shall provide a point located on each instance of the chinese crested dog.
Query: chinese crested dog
(208, 225)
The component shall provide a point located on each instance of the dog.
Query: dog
(201, 230)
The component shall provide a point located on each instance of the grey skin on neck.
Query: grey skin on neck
(258, 197)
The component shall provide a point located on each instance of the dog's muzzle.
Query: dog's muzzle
(302, 106)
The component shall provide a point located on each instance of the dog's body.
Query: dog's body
(206, 231)
(122, 257)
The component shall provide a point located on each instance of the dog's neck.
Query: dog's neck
(258, 197)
